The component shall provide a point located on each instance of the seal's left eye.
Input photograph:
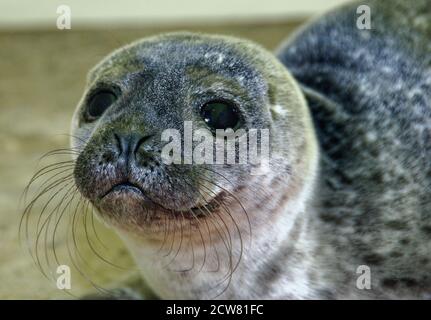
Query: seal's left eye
(99, 102)
(220, 115)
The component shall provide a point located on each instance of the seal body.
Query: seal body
(304, 227)
(369, 92)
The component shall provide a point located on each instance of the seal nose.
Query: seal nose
(128, 145)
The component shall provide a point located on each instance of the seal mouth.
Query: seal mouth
(127, 189)
(124, 187)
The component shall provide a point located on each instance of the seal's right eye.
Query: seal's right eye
(99, 102)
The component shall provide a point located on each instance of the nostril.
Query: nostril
(140, 142)
(129, 146)
(119, 144)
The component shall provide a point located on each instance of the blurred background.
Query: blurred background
(42, 77)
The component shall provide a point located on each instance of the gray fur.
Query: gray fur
(314, 220)
(369, 92)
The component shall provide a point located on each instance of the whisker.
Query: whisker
(180, 244)
(52, 198)
(57, 224)
(94, 229)
(173, 236)
(166, 227)
(73, 136)
(75, 261)
(26, 214)
(46, 223)
(92, 248)
(235, 224)
(40, 173)
(239, 202)
(58, 219)
(202, 238)
(61, 151)
(222, 237)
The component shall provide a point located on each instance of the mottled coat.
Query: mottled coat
(315, 219)
(369, 92)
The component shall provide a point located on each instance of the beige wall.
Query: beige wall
(42, 13)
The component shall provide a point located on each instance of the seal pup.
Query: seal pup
(212, 219)
(349, 177)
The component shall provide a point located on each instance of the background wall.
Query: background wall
(96, 13)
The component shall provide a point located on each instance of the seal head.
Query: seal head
(162, 83)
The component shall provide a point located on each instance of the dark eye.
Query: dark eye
(220, 115)
(99, 102)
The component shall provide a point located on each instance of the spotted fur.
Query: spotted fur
(369, 92)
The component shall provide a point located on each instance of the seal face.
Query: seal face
(202, 212)
(159, 84)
